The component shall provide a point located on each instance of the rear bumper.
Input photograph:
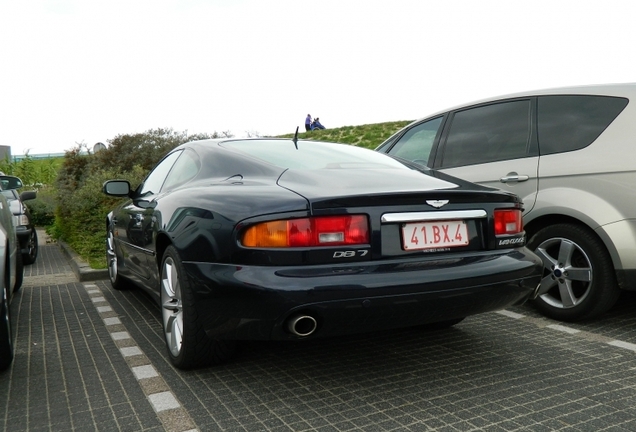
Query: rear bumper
(620, 240)
(256, 302)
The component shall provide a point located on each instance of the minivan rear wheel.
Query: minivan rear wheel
(578, 281)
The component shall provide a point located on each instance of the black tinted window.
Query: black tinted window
(186, 167)
(569, 123)
(152, 184)
(488, 133)
(417, 142)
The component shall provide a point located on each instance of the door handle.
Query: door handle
(514, 177)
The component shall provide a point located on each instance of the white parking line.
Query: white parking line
(120, 335)
(559, 327)
(161, 402)
(510, 314)
(621, 344)
(112, 321)
(130, 351)
(144, 372)
(563, 328)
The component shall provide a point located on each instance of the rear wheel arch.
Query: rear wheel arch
(544, 221)
(161, 244)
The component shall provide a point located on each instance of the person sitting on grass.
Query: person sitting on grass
(316, 124)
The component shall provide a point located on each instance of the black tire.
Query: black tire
(6, 335)
(579, 281)
(32, 246)
(441, 325)
(19, 272)
(187, 344)
(117, 281)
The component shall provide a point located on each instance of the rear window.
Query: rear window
(313, 154)
(572, 122)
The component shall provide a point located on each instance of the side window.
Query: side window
(488, 133)
(184, 169)
(154, 181)
(567, 123)
(417, 142)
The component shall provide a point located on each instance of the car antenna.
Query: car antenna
(295, 140)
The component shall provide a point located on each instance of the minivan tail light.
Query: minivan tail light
(308, 232)
(508, 221)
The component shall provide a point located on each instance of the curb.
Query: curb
(80, 267)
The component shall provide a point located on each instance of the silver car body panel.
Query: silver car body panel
(595, 185)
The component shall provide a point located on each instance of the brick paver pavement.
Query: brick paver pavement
(89, 358)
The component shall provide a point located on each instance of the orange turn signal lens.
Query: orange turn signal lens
(307, 232)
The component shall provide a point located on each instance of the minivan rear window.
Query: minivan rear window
(572, 122)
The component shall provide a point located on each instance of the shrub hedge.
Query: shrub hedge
(82, 207)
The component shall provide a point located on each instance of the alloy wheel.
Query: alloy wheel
(567, 273)
(111, 256)
(172, 308)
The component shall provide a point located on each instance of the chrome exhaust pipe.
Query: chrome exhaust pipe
(302, 325)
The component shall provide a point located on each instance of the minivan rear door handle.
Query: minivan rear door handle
(514, 177)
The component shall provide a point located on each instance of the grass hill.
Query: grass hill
(368, 136)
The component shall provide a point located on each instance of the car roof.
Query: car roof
(619, 90)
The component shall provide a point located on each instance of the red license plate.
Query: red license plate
(433, 235)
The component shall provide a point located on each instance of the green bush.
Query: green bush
(42, 208)
(81, 215)
(82, 207)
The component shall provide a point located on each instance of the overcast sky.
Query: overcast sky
(75, 71)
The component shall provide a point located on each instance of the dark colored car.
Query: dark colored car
(24, 227)
(271, 239)
(11, 275)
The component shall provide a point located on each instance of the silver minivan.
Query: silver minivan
(569, 153)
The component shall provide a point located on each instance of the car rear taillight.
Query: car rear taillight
(508, 221)
(307, 232)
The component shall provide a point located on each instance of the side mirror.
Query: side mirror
(118, 188)
(28, 195)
